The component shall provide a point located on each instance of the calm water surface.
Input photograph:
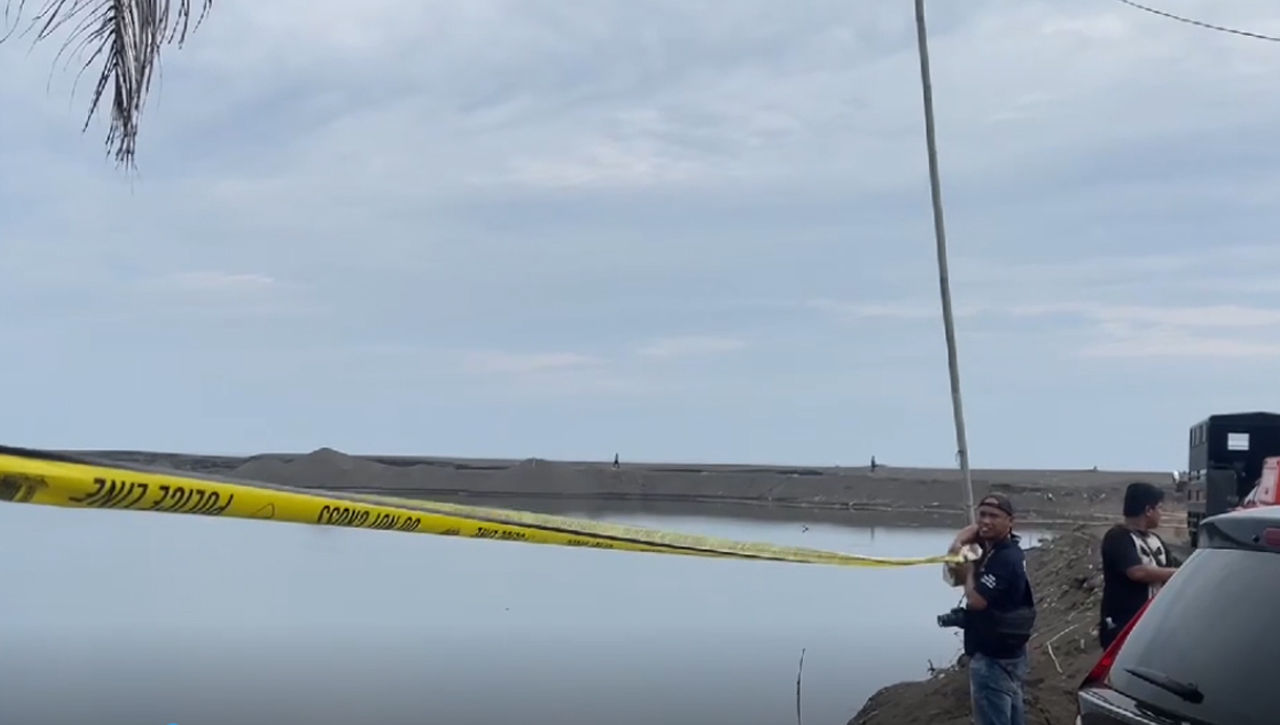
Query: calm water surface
(143, 619)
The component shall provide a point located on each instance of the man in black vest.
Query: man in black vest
(999, 614)
(1135, 561)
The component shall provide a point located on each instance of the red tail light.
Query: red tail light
(1271, 537)
(1098, 675)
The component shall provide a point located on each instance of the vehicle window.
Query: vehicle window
(1213, 625)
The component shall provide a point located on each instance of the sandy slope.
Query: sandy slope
(1066, 576)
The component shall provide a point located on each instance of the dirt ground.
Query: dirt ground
(890, 494)
(1065, 574)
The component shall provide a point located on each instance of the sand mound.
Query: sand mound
(1065, 575)
(329, 469)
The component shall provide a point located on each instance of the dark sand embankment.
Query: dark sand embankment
(890, 494)
(1066, 575)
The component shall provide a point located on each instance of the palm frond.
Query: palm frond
(122, 39)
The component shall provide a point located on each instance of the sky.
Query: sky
(678, 231)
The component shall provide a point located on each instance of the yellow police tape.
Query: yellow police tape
(51, 479)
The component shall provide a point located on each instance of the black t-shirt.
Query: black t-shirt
(1001, 579)
(1122, 549)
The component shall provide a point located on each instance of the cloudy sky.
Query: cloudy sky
(672, 230)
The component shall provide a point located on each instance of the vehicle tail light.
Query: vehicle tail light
(1097, 677)
(1271, 537)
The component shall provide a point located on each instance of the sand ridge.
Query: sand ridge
(1055, 496)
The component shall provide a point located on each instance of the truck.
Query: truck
(1227, 457)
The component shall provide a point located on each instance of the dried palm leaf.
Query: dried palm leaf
(122, 38)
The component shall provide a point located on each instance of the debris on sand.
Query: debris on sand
(1066, 574)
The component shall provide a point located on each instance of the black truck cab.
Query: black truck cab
(1226, 457)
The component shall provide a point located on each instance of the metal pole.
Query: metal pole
(944, 281)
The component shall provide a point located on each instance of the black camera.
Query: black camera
(957, 618)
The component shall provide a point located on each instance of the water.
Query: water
(122, 618)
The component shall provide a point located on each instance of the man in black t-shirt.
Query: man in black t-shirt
(999, 614)
(1135, 561)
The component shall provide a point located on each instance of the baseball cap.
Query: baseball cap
(997, 501)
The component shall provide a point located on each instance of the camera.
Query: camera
(955, 618)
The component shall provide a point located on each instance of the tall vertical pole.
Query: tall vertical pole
(944, 280)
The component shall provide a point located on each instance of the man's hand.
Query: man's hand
(1146, 574)
(967, 535)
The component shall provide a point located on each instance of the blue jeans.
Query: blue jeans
(995, 687)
